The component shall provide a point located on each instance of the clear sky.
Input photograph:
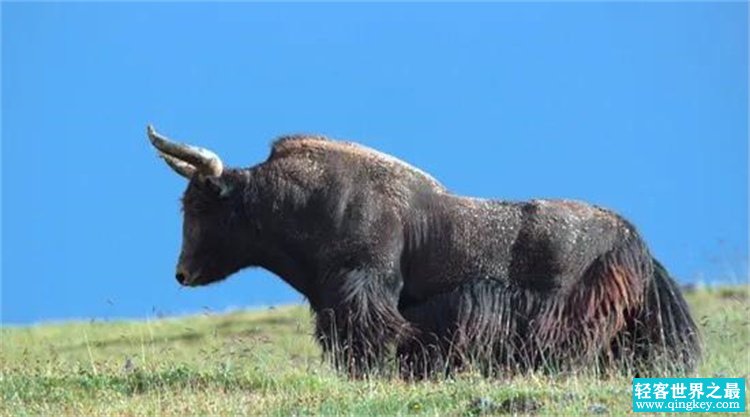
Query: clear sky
(642, 108)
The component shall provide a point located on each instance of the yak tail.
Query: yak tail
(666, 337)
(679, 331)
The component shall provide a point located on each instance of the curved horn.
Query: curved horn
(203, 160)
(179, 166)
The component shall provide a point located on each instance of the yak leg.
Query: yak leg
(426, 353)
(474, 325)
(439, 345)
(359, 323)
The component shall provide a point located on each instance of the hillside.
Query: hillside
(265, 363)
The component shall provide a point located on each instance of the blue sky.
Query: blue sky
(638, 107)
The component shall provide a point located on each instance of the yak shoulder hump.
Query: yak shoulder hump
(303, 144)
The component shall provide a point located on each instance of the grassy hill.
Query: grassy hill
(266, 363)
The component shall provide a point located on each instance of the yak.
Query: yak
(399, 270)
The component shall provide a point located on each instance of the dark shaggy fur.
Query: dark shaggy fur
(396, 266)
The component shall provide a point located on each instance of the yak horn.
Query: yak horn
(179, 166)
(179, 156)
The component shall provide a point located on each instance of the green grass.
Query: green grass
(266, 363)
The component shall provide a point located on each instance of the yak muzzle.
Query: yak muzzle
(183, 277)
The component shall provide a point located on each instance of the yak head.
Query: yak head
(217, 238)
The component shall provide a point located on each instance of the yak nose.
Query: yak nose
(182, 276)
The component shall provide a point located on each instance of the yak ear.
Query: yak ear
(222, 187)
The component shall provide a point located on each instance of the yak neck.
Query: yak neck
(270, 206)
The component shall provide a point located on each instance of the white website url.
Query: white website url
(687, 405)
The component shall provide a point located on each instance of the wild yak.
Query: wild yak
(397, 269)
